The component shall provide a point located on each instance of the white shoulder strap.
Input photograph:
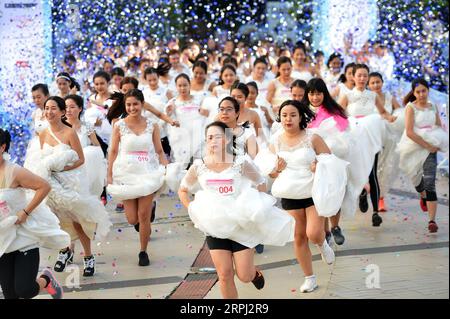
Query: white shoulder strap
(54, 136)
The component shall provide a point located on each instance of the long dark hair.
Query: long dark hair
(231, 146)
(318, 85)
(415, 83)
(342, 78)
(161, 70)
(306, 115)
(78, 101)
(61, 106)
(117, 109)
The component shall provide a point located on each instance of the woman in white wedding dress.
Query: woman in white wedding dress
(368, 119)
(136, 167)
(94, 159)
(25, 225)
(81, 214)
(232, 209)
(422, 139)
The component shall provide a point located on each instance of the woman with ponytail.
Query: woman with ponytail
(234, 215)
(66, 84)
(422, 139)
(136, 167)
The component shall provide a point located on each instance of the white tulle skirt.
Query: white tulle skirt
(42, 226)
(69, 198)
(95, 168)
(249, 218)
(412, 155)
(388, 168)
(135, 180)
(367, 137)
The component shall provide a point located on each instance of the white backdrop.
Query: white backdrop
(25, 51)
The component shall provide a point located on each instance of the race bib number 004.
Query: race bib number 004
(221, 186)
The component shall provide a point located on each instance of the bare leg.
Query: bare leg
(244, 264)
(301, 247)
(84, 239)
(144, 211)
(223, 261)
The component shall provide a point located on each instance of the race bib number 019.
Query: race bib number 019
(221, 186)
(138, 157)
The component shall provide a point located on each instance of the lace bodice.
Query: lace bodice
(299, 156)
(130, 142)
(137, 149)
(423, 117)
(84, 132)
(361, 103)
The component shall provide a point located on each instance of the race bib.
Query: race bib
(221, 186)
(286, 91)
(190, 108)
(138, 157)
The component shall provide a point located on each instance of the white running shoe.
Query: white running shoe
(309, 285)
(326, 252)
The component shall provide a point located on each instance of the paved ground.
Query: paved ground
(410, 262)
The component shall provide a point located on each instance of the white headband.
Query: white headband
(63, 77)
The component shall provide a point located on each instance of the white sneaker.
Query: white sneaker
(326, 252)
(309, 285)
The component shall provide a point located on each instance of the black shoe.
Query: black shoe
(259, 249)
(259, 281)
(89, 266)
(136, 227)
(143, 259)
(328, 237)
(376, 220)
(152, 218)
(363, 204)
(337, 234)
(63, 258)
